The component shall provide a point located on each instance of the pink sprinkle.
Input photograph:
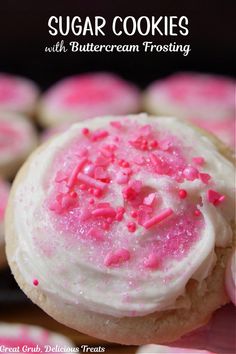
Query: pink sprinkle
(117, 257)
(119, 216)
(82, 186)
(190, 173)
(116, 124)
(92, 182)
(121, 210)
(131, 226)
(158, 218)
(95, 234)
(215, 197)
(153, 144)
(60, 176)
(102, 161)
(204, 177)
(67, 201)
(122, 178)
(99, 134)
(85, 131)
(104, 212)
(149, 200)
(182, 193)
(91, 201)
(75, 172)
(152, 261)
(96, 192)
(105, 226)
(35, 282)
(197, 212)
(73, 194)
(89, 170)
(100, 173)
(199, 160)
(134, 214)
(56, 207)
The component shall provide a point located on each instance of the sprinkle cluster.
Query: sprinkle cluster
(96, 181)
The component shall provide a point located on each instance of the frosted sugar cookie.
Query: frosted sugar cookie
(121, 227)
(205, 100)
(185, 95)
(86, 96)
(17, 140)
(17, 94)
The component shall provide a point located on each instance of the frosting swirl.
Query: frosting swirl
(122, 213)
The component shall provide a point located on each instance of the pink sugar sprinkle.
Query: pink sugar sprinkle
(95, 234)
(35, 282)
(99, 134)
(199, 160)
(204, 177)
(85, 131)
(150, 199)
(82, 186)
(91, 201)
(152, 261)
(117, 257)
(158, 218)
(76, 170)
(131, 226)
(104, 212)
(214, 197)
(116, 124)
(182, 193)
(89, 181)
(190, 173)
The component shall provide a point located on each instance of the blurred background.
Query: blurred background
(24, 35)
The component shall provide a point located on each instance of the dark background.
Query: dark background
(24, 35)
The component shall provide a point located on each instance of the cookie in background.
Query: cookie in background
(18, 138)
(204, 99)
(85, 96)
(18, 94)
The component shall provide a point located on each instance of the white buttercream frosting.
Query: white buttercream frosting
(69, 273)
